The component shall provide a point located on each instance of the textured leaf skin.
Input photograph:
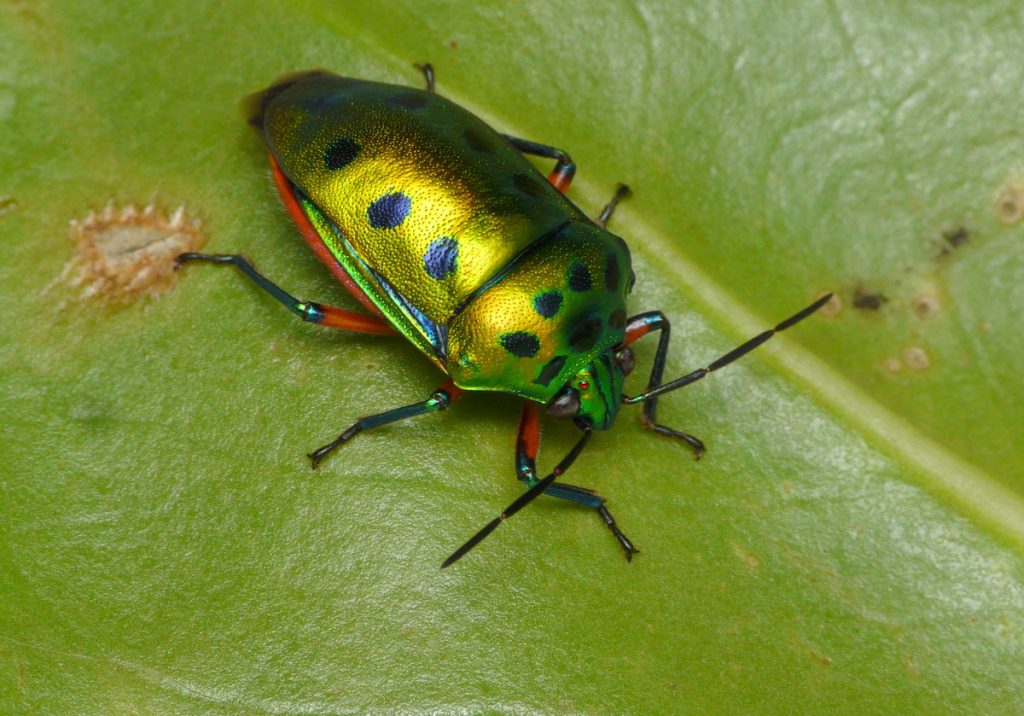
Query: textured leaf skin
(851, 542)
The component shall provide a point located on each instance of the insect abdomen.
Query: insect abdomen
(431, 202)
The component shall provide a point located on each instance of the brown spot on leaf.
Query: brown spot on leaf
(953, 240)
(124, 253)
(749, 558)
(915, 358)
(867, 300)
(926, 305)
(1010, 205)
(957, 237)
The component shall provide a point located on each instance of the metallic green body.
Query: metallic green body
(453, 235)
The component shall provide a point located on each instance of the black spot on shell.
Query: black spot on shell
(585, 334)
(341, 153)
(617, 319)
(550, 370)
(579, 277)
(529, 186)
(547, 303)
(478, 141)
(611, 273)
(409, 100)
(521, 343)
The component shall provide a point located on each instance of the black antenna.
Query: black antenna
(523, 500)
(729, 357)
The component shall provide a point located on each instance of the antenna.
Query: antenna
(523, 500)
(729, 357)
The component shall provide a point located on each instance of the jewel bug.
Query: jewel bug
(449, 236)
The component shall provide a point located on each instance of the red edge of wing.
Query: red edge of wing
(284, 188)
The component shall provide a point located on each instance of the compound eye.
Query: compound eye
(626, 359)
(566, 405)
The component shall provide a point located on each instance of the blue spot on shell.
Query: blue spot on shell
(441, 258)
(389, 211)
(548, 303)
(323, 101)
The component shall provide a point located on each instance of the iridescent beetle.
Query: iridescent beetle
(448, 235)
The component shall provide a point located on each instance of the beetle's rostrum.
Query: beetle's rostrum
(447, 234)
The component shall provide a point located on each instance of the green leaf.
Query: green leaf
(851, 542)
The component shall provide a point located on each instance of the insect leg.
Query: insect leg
(637, 327)
(438, 401)
(310, 312)
(428, 74)
(621, 192)
(527, 445)
(565, 168)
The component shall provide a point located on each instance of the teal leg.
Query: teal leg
(527, 444)
(565, 167)
(428, 74)
(308, 311)
(438, 401)
(621, 192)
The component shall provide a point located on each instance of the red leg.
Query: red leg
(527, 446)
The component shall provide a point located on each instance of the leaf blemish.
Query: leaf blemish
(833, 306)
(953, 240)
(124, 253)
(916, 358)
(749, 558)
(926, 305)
(867, 300)
(1010, 205)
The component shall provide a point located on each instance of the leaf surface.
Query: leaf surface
(851, 542)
